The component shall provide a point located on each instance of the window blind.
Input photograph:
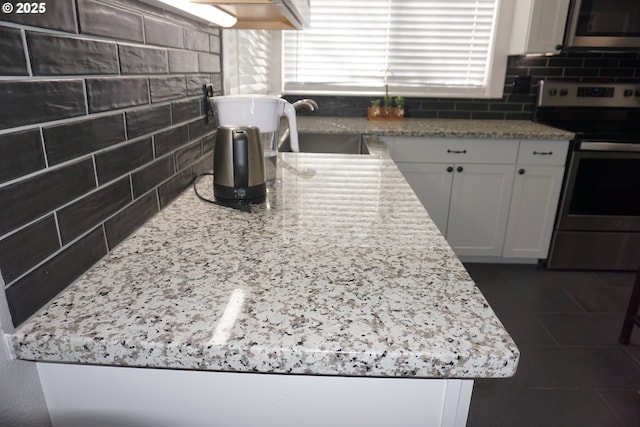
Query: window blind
(248, 61)
(413, 46)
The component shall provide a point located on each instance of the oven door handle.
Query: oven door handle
(608, 146)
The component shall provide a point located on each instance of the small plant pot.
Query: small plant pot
(385, 114)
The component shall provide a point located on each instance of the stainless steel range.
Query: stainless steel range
(598, 222)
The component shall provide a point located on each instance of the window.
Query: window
(429, 48)
(247, 56)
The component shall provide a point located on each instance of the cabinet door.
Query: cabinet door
(479, 208)
(538, 26)
(533, 209)
(432, 184)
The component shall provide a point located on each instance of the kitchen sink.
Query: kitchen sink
(328, 143)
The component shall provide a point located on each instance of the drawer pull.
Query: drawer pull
(521, 171)
(459, 168)
(457, 151)
(450, 169)
(543, 153)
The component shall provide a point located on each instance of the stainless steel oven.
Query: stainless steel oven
(603, 24)
(598, 221)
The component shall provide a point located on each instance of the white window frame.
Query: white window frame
(495, 83)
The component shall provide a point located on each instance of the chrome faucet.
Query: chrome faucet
(310, 104)
(307, 103)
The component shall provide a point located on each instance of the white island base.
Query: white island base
(84, 395)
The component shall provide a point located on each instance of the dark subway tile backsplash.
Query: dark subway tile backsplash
(129, 219)
(27, 200)
(152, 175)
(184, 110)
(167, 88)
(142, 60)
(73, 139)
(170, 189)
(142, 121)
(40, 101)
(196, 40)
(584, 66)
(187, 155)
(31, 292)
(183, 61)
(168, 140)
(95, 111)
(163, 33)
(28, 247)
(83, 215)
(123, 159)
(112, 22)
(104, 94)
(56, 55)
(208, 63)
(12, 59)
(59, 15)
(20, 154)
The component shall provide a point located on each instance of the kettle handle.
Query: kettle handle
(240, 158)
(290, 112)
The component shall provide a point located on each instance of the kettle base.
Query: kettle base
(231, 195)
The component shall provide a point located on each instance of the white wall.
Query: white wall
(21, 399)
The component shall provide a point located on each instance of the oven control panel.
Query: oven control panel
(578, 94)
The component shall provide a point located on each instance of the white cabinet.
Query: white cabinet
(534, 203)
(465, 185)
(490, 198)
(432, 184)
(479, 208)
(538, 26)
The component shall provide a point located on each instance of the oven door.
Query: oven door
(602, 190)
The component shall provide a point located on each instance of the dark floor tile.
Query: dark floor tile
(538, 275)
(578, 367)
(526, 329)
(493, 407)
(505, 297)
(617, 278)
(634, 349)
(625, 404)
(584, 328)
(599, 298)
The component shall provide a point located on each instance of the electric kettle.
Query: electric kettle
(264, 112)
(238, 166)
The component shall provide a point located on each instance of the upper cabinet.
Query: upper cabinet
(266, 14)
(538, 26)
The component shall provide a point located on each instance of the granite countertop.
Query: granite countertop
(340, 272)
(458, 128)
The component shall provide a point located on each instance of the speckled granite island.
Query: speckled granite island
(340, 278)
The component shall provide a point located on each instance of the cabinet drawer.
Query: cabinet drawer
(543, 152)
(454, 150)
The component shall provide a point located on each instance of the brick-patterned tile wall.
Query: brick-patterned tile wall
(102, 124)
(514, 104)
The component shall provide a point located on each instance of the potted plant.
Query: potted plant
(399, 106)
